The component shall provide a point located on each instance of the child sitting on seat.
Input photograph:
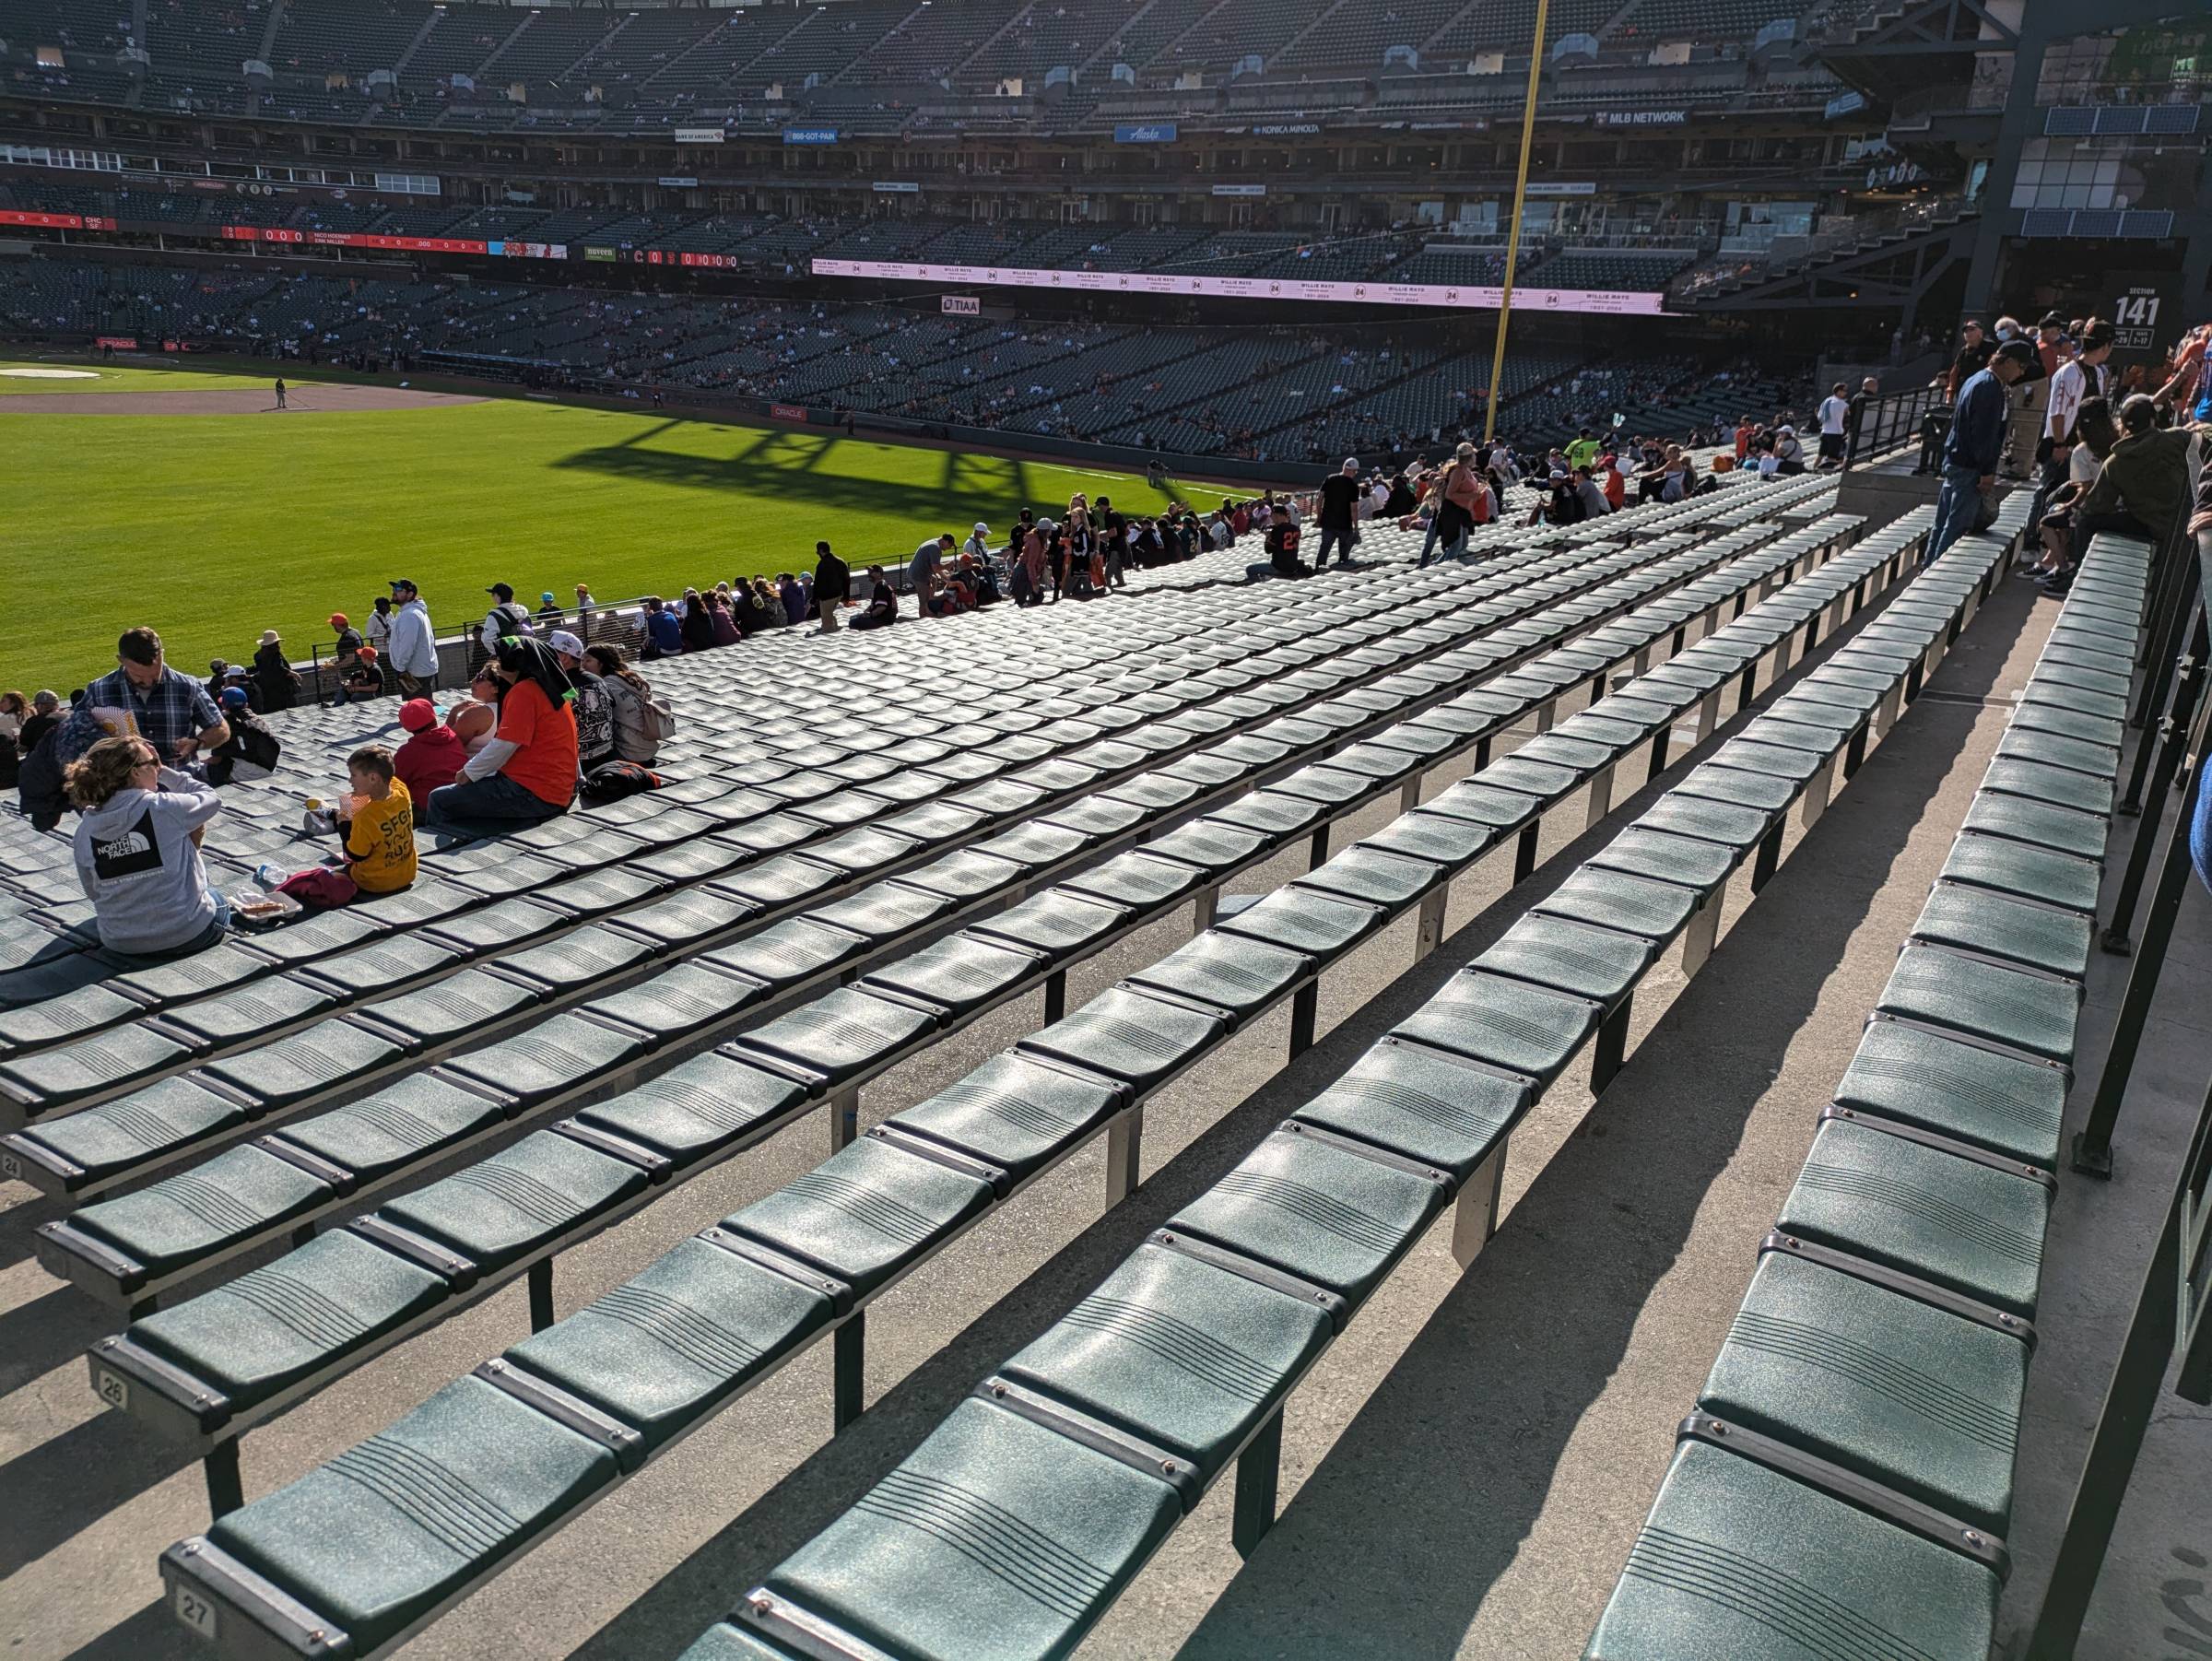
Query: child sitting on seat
(378, 837)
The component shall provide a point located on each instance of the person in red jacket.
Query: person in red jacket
(433, 754)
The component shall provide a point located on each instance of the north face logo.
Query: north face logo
(135, 851)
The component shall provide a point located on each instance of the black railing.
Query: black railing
(1890, 419)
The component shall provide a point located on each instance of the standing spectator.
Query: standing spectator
(2079, 377)
(586, 608)
(1835, 417)
(1975, 444)
(832, 586)
(923, 569)
(548, 612)
(664, 630)
(595, 707)
(433, 756)
(1855, 423)
(505, 618)
(277, 680)
(527, 773)
(794, 598)
(1973, 357)
(1583, 450)
(412, 647)
(137, 850)
(377, 630)
(883, 603)
(642, 720)
(169, 711)
(1113, 530)
(1339, 513)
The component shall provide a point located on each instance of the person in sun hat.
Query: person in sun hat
(278, 682)
(413, 648)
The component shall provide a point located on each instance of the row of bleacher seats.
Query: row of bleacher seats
(1011, 1529)
(841, 1233)
(591, 1217)
(1850, 1460)
(127, 1250)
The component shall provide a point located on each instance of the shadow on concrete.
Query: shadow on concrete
(70, 1481)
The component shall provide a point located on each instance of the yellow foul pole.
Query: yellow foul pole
(1513, 240)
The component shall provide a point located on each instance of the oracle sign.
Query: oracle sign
(1602, 302)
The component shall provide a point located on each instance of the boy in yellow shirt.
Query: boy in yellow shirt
(378, 839)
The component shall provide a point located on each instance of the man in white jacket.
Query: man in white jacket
(413, 649)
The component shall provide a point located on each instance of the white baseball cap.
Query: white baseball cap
(561, 639)
(982, 529)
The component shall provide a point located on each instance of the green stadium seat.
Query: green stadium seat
(867, 1213)
(498, 1210)
(1121, 1034)
(1188, 1356)
(2032, 1012)
(1334, 1213)
(377, 1538)
(1234, 977)
(1974, 1224)
(403, 1124)
(1423, 1104)
(1739, 1561)
(2032, 873)
(997, 1539)
(839, 1037)
(1016, 1112)
(670, 1347)
(561, 1053)
(1529, 1031)
(698, 1110)
(2007, 1103)
(1924, 1401)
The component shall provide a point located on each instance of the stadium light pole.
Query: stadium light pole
(1512, 236)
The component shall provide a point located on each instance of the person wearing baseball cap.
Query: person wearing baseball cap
(1976, 444)
(595, 704)
(250, 745)
(432, 755)
(504, 618)
(413, 645)
(1339, 512)
(363, 679)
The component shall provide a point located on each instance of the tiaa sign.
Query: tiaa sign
(961, 305)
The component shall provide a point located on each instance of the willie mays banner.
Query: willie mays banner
(1602, 302)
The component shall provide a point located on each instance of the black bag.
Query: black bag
(39, 785)
(611, 780)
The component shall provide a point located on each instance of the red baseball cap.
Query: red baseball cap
(417, 715)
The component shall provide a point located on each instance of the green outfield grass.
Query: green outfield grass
(212, 528)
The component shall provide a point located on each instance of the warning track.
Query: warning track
(314, 398)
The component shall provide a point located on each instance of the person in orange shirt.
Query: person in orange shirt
(527, 773)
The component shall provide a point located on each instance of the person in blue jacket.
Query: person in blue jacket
(1976, 444)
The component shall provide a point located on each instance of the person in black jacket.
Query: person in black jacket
(832, 586)
(698, 625)
(251, 741)
(1282, 544)
(1339, 513)
(278, 682)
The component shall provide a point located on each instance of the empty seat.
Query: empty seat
(518, 1200)
(1015, 1112)
(1737, 1560)
(1423, 1104)
(1125, 1035)
(867, 1213)
(377, 1535)
(698, 1110)
(1527, 1029)
(671, 1347)
(997, 1539)
(839, 1036)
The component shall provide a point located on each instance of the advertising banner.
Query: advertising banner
(896, 187)
(1158, 132)
(1643, 118)
(1240, 190)
(1593, 302)
(48, 221)
(121, 343)
(698, 136)
(599, 254)
(786, 412)
(961, 305)
(809, 135)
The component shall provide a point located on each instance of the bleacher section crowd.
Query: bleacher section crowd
(1260, 394)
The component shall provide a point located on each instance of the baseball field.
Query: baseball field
(186, 499)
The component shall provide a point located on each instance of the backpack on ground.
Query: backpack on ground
(612, 780)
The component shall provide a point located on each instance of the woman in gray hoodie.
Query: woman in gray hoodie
(138, 850)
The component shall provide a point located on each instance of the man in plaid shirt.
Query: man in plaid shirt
(172, 712)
